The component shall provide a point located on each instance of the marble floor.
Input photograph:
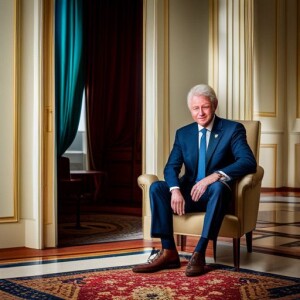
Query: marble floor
(278, 225)
(276, 247)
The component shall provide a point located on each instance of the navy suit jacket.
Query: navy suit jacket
(227, 151)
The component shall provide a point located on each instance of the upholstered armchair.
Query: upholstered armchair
(241, 220)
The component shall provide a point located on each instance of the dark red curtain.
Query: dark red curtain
(114, 83)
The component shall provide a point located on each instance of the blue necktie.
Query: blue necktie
(202, 156)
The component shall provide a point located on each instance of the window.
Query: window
(77, 152)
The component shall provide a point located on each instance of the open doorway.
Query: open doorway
(90, 214)
(104, 158)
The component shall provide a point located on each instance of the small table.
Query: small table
(96, 176)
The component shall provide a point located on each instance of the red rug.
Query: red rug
(219, 282)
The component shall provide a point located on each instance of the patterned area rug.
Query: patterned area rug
(99, 228)
(120, 283)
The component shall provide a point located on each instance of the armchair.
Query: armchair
(243, 216)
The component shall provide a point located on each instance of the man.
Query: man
(224, 156)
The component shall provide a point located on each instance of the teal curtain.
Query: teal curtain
(69, 70)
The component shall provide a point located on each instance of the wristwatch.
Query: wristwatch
(221, 176)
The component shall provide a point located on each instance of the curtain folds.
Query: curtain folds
(114, 78)
(69, 70)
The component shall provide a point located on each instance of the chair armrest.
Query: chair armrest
(247, 197)
(144, 182)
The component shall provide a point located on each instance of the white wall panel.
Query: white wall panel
(268, 155)
(188, 52)
(265, 59)
(9, 49)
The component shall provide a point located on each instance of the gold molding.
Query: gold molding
(249, 58)
(297, 163)
(16, 85)
(266, 114)
(274, 113)
(298, 62)
(48, 152)
(144, 89)
(166, 83)
(213, 53)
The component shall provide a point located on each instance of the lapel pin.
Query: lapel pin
(216, 135)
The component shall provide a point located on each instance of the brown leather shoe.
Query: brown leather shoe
(196, 265)
(164, 259)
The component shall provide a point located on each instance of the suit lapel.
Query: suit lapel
(194, 144)
(215, 138)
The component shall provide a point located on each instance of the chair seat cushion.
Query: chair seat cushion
(192, 224)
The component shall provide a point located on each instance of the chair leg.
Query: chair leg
(249, 241)
(181, 241)
(78, 208)
(178, 240)
(78, 225)
(236, 253)
(215, 249)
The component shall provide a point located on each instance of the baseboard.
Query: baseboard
(280, 190)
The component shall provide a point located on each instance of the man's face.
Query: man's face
(202, 110)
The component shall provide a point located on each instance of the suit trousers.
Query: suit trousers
(214, 202)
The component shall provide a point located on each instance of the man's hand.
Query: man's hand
(177, 202)
(200, 187)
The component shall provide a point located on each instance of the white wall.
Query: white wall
(30, 125)
(188, 52)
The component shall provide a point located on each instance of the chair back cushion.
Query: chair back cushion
(253, 129)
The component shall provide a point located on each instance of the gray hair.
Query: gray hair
(202, 90)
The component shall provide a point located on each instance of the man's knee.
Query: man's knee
(158, 187)
(219, 188)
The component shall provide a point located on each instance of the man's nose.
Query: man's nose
(200, 112)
